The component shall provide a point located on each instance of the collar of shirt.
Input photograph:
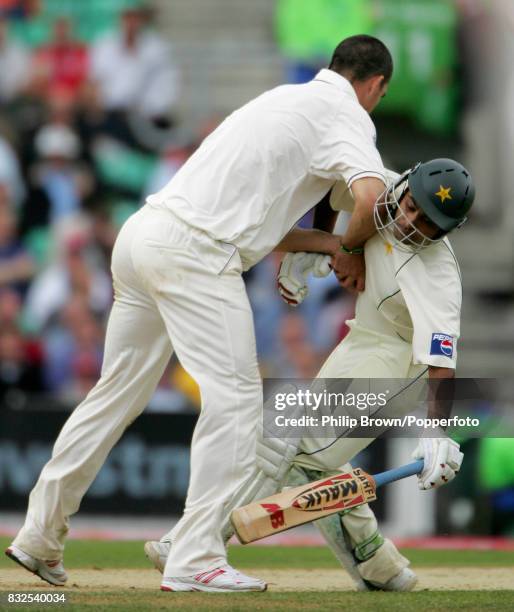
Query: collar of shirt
(329, 76)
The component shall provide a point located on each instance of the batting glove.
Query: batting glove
(442, 459)
(293, 273)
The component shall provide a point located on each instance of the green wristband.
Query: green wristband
(355, 251)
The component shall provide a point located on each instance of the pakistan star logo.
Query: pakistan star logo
(444, 193)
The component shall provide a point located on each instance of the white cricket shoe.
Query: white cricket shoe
(51, 571)
(406, 580)
(224, 579)
(157, 553)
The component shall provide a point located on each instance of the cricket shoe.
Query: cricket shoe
(51, 571)
(406, 580)
(157, 553)
(224, 579)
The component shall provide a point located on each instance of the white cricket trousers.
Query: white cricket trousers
(175, 289)
(364, 353)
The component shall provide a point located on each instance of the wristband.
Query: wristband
(355, 251)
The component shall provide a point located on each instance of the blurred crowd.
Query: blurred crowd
(88, 127)
(90, 94)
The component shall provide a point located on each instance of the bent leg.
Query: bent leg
(353, 536)
(363, 354)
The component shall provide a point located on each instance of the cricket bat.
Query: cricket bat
(312, 501)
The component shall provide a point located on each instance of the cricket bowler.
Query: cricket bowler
(177, 273)
(406, 326)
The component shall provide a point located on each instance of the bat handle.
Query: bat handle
(398, 473)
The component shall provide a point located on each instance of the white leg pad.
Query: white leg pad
(386, 563)
(332, 529)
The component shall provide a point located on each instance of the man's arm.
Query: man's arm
(310, 241)
(441, 454)
(361, 227)
(440, 394)
(350, 268)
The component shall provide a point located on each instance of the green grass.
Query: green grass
(89, 553)
(104, 555)
(470, 601)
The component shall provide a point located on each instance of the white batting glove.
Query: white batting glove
(293, 273)
(442, 461)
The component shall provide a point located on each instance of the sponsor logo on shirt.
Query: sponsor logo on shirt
(441, 345)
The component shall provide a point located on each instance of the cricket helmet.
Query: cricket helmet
(442, 188)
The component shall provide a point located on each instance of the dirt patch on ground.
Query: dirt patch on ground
(440, 579)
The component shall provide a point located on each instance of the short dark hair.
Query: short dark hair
(362, 57)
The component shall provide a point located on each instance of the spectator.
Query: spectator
(16, 265)
(73, 345)
(14, 66)
(170, 163)
(75, 273)
(61, 66)
(59, 110)
(13, 9)
(56, 109)
(21, 9)
(297, 357)
(10, 308)
(65, 182)
(133, 69)
(10, 174)
(20, 363)
(104, 234)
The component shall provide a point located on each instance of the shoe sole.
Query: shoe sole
(208, 589)
(9, 553)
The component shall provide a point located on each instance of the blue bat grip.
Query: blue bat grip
(398, 473)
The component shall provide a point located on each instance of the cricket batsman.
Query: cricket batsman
(177, 273)
(406, 326)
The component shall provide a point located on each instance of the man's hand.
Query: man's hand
(442, 461)
(350, 270)
(293, 273)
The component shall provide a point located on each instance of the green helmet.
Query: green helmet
(444, 190)
(441, 188)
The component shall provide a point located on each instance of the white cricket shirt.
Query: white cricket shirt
(271, 161)
(416, 297)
